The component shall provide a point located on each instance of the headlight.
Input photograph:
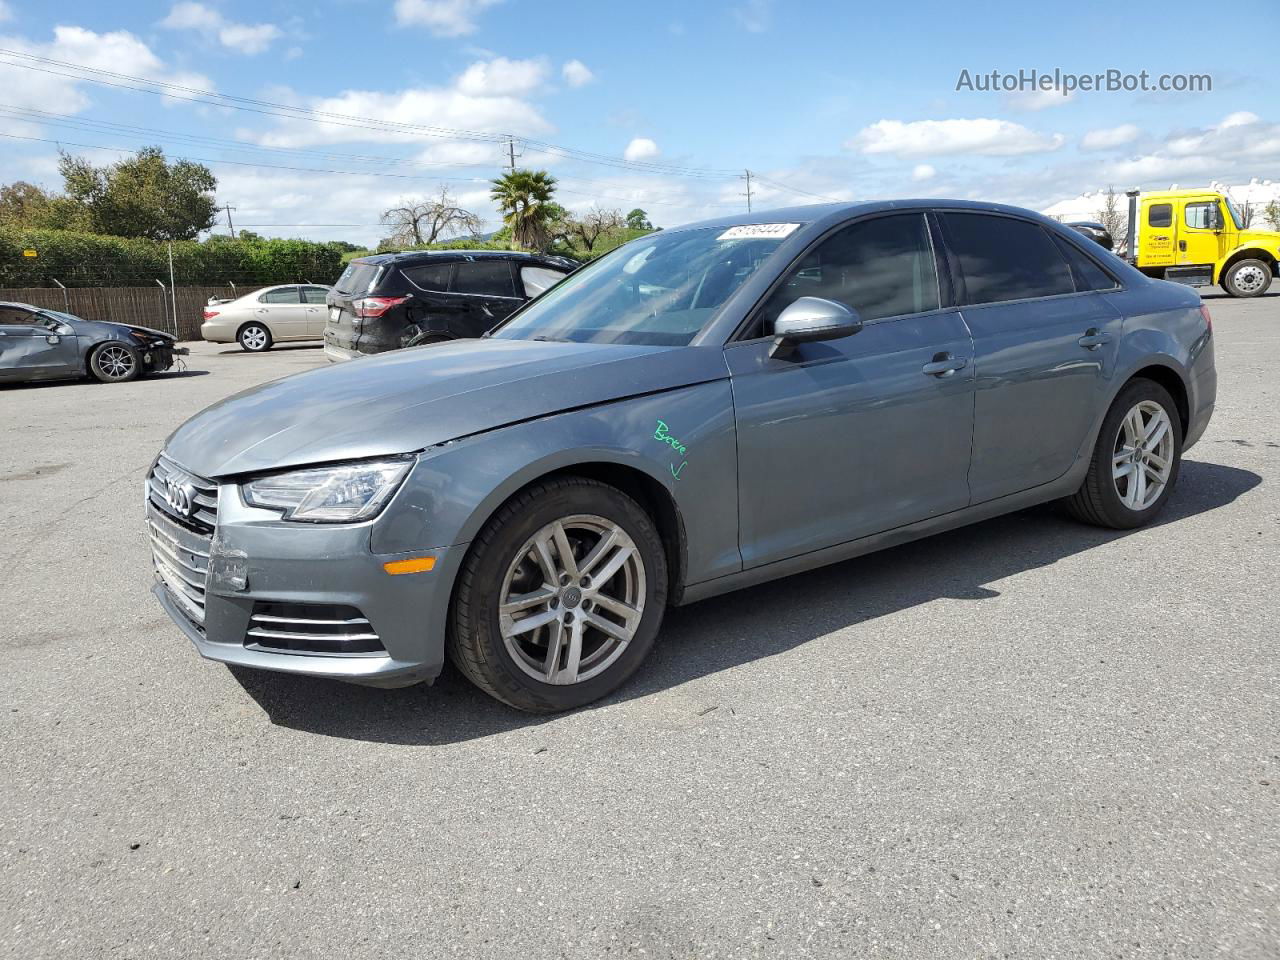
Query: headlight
(338, 494)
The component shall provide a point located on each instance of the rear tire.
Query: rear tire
(588, 636)
(1247, 278)
(1135, 460)
(254, 338)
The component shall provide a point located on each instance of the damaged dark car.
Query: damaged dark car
(40, 344)
(395, 300)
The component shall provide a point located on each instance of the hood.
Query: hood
(408, 400)
(1253, 237)
(124, 329)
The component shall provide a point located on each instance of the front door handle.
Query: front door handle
(1182, 245)
(1094, 338)
(944, 365)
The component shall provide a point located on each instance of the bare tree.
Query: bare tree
(426, 221)
(1112, 217)
(594, 224)
(1248, 213)
(1272, 214)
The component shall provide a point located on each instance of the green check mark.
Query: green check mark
(676, 472)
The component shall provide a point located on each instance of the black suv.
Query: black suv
(396, 300)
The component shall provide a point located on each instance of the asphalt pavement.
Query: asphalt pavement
(1026, 738)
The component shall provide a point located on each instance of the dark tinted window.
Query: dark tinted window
(1006, 259)
(16, 315)
(280, 295)
(1160, 215)
(1086, 274)
(358, 277)
(429, 276)
(1200, 216)
(314, 294)
(881, 268)
(486, 277)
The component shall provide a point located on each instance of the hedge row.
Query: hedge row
(91, 260)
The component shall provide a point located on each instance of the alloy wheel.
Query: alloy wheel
(115, 363)
(1143, 455)
(572, 599)
(253, 338)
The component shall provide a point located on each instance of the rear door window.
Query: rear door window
(489, 278)
(1006, 259)
(280, 295)
(1160, 215)
(429, 276)
(314, 294)
(537, 279)
(1086, 274)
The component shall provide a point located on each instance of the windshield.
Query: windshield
(1235, 213)
(659, 290)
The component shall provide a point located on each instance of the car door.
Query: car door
(1201, 232)
(315, 313)
(33, 345)
(1155, 241)
(435, 311)
(846, 438)
(1045, 347)
(282, 310)
(487, 292)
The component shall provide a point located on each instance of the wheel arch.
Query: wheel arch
(1169, 378)
(1248, 253)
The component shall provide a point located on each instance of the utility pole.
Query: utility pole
(747, 177)
(230, 226)
(511, 154)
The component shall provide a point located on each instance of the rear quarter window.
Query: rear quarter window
(429, 276)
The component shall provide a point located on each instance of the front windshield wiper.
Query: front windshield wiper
(551, 339)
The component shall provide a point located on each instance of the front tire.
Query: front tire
(254, 338)
(1135, 460)
(561, 596)
(1247, 278)
(115, 363)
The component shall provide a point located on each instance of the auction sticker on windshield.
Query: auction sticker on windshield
(758, 231)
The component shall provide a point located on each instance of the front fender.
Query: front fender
(456, 487)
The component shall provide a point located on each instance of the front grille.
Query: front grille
(184, 497)
(325, 628)
(182, 512)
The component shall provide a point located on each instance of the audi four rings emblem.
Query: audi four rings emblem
(180, 495)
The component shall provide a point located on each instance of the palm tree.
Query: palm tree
(524, 197)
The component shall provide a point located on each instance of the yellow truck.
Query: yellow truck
(1196, 237)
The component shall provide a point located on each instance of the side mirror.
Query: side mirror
(809, 319)
(1215, 218)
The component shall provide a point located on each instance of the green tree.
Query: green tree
(524, 197)
(144, 196)
(637, 219)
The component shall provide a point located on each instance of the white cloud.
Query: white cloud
(248, 38)
(444, 18)
(1035, 100)
(483, 98)
(502, 77)
(1109, 138)
(754, 16)
(923, 171)
(980, 136)
(641, 148)
(1238, 147)
(576, 73)
(118, 50)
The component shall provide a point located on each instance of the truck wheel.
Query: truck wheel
(561, 596)
(1247, 278)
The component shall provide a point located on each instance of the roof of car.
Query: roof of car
(20, 305)
(816, 212)
(447, 255)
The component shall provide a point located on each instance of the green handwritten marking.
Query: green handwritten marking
(660, 433)
(676, 473)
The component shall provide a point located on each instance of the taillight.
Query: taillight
(375, 306)
(210, 314)
(1208, 320)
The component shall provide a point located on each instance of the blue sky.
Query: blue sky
(659, 105)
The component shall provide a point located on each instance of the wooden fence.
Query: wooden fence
(146, 306)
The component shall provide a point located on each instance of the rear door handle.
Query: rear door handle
(944, 365)
(1094, 338)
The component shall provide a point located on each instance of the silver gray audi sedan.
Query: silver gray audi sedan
(703, 409)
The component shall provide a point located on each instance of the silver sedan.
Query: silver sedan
(273, 314)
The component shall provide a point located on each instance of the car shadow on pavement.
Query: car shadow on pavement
(724, 632)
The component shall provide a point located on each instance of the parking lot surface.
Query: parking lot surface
(1026, 738)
